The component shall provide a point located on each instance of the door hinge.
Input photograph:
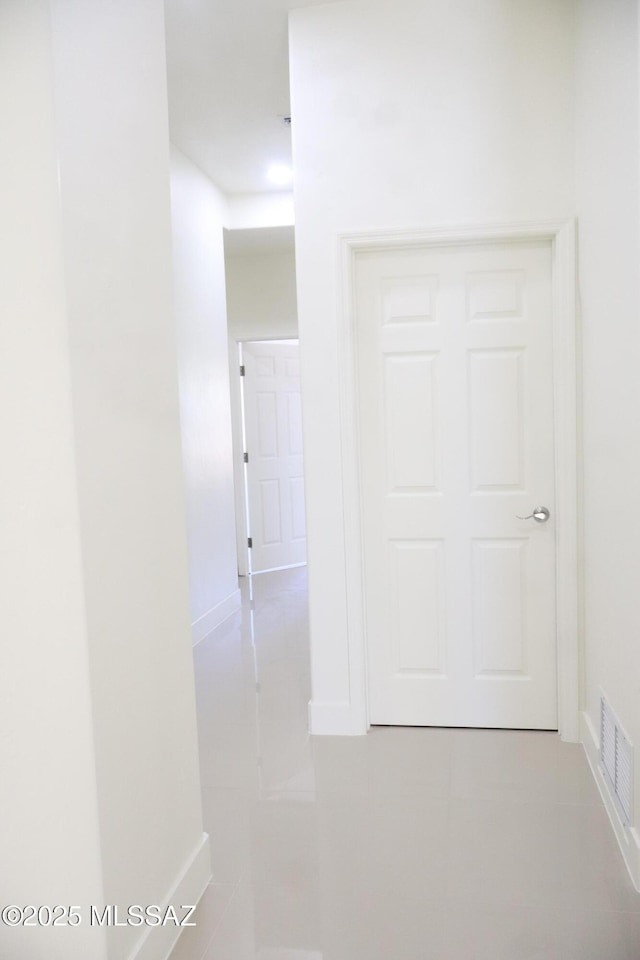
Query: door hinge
(250, 542)
(242, 370)
(245, 457)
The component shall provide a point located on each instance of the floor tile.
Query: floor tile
(591, 868)
(194, 941)
(575, 782)
(228, 821)
(409, 760)
(472, 932)
(234, 937)
(504, 765)
(406, 844)
(504, 853)
(341, 765)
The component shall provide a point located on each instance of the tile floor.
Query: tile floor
(407, 844)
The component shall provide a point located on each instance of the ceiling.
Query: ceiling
(228, 79)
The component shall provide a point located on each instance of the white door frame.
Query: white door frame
(561, 235)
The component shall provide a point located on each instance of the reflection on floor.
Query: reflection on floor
(407, 844)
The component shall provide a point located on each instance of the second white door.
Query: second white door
(457, 444)
(273, 429)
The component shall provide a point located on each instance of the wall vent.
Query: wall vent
(616, 758)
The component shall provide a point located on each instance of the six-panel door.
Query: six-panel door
(456, 426)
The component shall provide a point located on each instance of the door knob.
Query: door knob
(540, 515)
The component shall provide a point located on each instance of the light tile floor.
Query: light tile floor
(406, 844)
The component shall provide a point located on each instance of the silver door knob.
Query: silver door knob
(540, 515)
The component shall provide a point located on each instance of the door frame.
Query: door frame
(561, 236)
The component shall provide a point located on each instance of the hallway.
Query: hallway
(406, 844)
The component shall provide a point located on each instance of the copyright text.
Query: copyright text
(111, 915)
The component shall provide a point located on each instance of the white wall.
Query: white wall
(102, 765)
(50, 849)
(249, 210)
(261, 296)
(607, 207)
(407, 115)
(199, 297)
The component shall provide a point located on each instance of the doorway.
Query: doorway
(270, 481)
(463, 613)
(456, 424)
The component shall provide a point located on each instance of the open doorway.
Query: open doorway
(265, 398)
(270, 484)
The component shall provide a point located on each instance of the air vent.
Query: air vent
(616, 758)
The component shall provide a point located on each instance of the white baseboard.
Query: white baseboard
(156, 943)
(339, 719)
(627, 837)
(205, 624)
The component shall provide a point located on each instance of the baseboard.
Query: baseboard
(207, 623)
(156, 943)
(337, 719)
(627, 837)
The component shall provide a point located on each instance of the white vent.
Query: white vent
(616, 757)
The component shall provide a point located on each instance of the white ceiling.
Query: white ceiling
(228, 78)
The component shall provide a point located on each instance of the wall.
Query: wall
(113, 152)
(607, 206)
(249, 210)
(198, 210)
(261, 296)
(407, 115)
(50, 849)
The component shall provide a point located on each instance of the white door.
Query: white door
(273, 432)
(457, 442)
